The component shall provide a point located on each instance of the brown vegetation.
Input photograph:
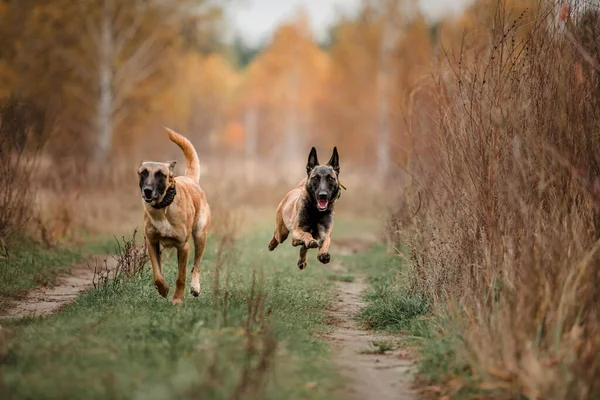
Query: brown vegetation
(17, 163)
(507, 236)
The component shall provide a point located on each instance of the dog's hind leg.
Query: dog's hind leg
(199, 234)
(302, 259)
(278, 237)
(281, 231)
(159, 279)
(182, 259)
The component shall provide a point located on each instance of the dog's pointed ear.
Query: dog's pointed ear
(334, 161)
(313, 161)
(172, 168)
(139, 168)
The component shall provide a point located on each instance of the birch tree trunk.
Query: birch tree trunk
(395, 14)
(105, 108)
(385, 78)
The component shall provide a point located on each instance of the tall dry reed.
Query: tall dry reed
(507, 238)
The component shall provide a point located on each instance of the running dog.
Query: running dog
(175, 208)
(307, 211)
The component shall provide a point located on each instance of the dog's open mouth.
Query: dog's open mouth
(322, 204)
(152, 199)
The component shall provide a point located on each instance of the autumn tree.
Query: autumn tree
(280, 90)
(101, 60)
(203, 92)
(376, 60)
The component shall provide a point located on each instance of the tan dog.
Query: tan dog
(175, 210)
(307, 211)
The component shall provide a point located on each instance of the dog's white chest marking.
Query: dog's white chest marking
(164, 227)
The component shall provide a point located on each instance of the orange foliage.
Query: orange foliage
(289, 74)
(349, 110)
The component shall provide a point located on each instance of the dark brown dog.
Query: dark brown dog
(175, 209)
(307, 211)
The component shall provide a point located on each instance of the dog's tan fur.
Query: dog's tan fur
(286, 221)
(187, 216)
(309, 229)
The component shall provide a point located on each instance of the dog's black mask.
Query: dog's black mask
(154, 180)
(322, 184)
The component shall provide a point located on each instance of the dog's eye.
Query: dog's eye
(144, 173)
(330, 178)
(159, 175)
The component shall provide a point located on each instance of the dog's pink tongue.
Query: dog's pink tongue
(323, 203)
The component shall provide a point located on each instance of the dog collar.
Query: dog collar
(167, 199)
(339, 191)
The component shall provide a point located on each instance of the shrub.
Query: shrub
(17, 162)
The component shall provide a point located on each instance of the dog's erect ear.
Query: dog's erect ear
(139, 170)
(334, 161)
(172, 168)
(312, 161)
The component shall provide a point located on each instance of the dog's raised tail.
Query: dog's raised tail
(192, 169)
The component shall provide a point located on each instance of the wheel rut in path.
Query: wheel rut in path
(44, 301)
(367, 374)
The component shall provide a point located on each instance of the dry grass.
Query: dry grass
(131, 258)
(71, 197)
(507, 236)
(17, 162)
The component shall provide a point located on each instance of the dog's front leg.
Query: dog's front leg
(302, 257)
(299, 237)
(182, 259)
(325, 234)
(159, 279)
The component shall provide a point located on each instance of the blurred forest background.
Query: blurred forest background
(92, 82)
(479, 133)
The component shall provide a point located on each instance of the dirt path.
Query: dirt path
(45, 301)
(368, 373)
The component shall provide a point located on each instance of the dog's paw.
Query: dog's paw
(301, 264)
(273, 244)
(312, 244)
(324, 258)
(162, 288)
(177, 301)
(195, 291)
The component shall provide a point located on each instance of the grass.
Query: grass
(254, 334)
(390, 305)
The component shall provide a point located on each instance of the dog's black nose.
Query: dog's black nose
(148, 193)
(323, 196)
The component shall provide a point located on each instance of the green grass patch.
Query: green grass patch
(390, 305)
(391, 309)
(254, 334)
